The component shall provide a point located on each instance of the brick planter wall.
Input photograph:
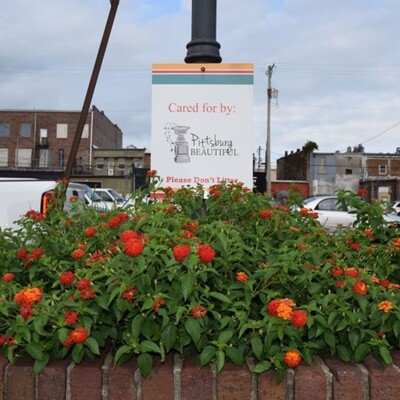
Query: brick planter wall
(327, 378)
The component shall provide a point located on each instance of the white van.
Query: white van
(112, 198)
(19, 195)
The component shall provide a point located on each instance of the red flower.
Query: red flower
(78, 254)
(273, 306)
(25, 310)
(3, 339)
(264, 214)
(339, 284)
(22, 253)
(87, 294)
(90, 231)
(299, 318)
(129, 293)
(157, 303)
(123, 216)
(133, 247)
(352, 272)
(292, 358)
(8, 277)
(337, 271)
(114, 222)
(242, 277)
(192, 225)
(369, 233)
(360, 288)
(67, 277)
(78, 335)
(83, 284)
(181, 251)
(128, 234)
(362, 192)
(71, 317)
(28, 296)
(199, 311)
(206, 253)
(355, 246)
(151, 173)
(11, 341)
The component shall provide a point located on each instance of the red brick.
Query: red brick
(121, 381)
(20, 381)
(234, 383)
(86, 380)
(384, 383)
(159, 385)
(3, 364)
(269, 389)
(348, 380)
(309, 382)
(52, 381)
(196, 381)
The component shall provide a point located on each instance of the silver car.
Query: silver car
(332, 213)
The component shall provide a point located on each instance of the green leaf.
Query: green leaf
(330, 340)
(145, 364)
(343, 352)
(40, 364)
(257, 346)
(354, 338)
(361, 352)
(385, 354)
(168, 336)
(193, 329)
(363, 303)
(147, 346)
(102, 301)
(39, 323)
(220, 297)
(136, 326)
(179, 313)
(235, 355)
(34, 350)
(221, 244)
(261, 367)
(225, 337)
(220, 360)
(92, 345)
(77, 353)
(207, 355)
(62, 335)
(123, 350)
(187, 284)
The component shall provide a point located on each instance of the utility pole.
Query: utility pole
(268, 144)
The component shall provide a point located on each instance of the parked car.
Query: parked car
(332, 213)
(112, 198)
(394, 207)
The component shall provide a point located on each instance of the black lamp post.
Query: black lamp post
(203, 48)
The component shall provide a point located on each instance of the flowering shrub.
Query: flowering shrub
(226, 278)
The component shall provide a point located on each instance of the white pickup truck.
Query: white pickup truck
(19, 195)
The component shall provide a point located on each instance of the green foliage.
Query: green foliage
(132, 287)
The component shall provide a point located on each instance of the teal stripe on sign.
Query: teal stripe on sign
(165, 79)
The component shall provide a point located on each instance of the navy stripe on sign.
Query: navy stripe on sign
(202, 79)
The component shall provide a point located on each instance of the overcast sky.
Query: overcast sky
(337, 64)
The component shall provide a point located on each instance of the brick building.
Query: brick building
(42, 139)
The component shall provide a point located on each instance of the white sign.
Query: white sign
(202, 124)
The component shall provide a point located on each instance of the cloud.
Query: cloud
(336, 63)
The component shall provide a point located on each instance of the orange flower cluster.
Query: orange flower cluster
(157, 303)
(7, 340)
(242, 277)
(265, 214)
(360, 288)
(199, 311)
(129, 293)
(385, 306)
(292, 358)
(26, 298)
(8, 277)
(78, 335)
(133, 247)
(283, 308)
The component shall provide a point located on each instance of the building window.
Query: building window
(62, 131)
(4, 129)
(3, 157)
(100, 164)
(322, 165)
(61, 158)
(85, 132)
(348, 171)
(121, 164)
(25, 130)
(23, 157)
(382, 169)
